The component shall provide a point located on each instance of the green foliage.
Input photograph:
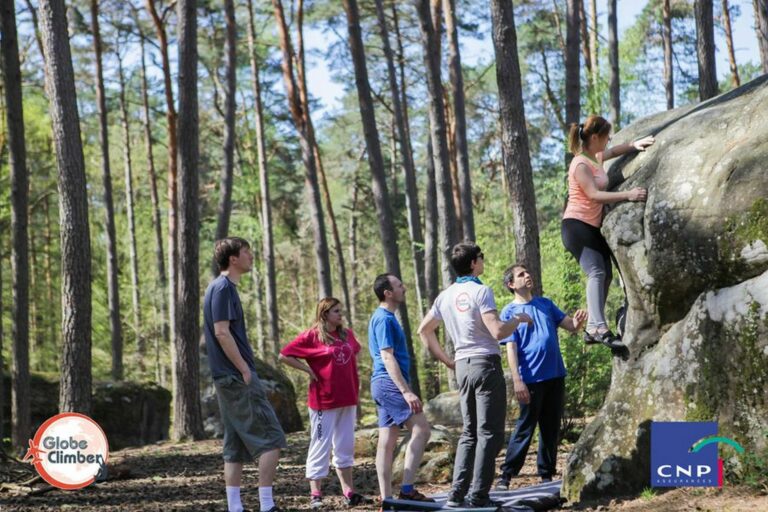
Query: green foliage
(648, 494)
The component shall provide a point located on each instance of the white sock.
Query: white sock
(233, 499)
(265, 498)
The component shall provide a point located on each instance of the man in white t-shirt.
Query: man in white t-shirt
(469, 312)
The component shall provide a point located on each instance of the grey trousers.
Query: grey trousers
(483, 395)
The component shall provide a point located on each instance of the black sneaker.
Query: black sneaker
(502, 484)
(484, 503)
(357, 499)
(454, 501)
(545, 479)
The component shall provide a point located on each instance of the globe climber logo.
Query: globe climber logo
(69, 451)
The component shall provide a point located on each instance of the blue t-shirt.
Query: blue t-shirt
(538, 349)
(384, 331)
(223, 303)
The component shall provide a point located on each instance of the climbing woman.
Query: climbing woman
(583, 216)
(329, 352)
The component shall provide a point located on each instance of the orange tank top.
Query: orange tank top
(580, 206)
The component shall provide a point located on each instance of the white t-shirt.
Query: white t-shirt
(461, 307)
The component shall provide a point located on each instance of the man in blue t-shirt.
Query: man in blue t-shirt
(538, 373)
(251, 428)
(397, 405)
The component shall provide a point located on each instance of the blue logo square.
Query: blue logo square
(673, 464)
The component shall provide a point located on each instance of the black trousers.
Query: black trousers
(545, 409)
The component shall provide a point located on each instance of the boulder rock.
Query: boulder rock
(444, 409)
(131, 414)
(439, 454)
(695, 265)
(280, 392)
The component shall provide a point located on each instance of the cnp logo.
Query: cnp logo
(684, 454)
(69, 451)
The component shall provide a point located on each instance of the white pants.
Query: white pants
(333, 428)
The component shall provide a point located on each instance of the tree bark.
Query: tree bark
(761, 29)
(267, 242)
(514, 140)
(162, 296)
(17, 154)
(322, 263)
(301, 80)
(594, 51)
(187, 422)
(666, 34)
(36, 27)
(460, 133)
(225, 183)
(729, 42)
(172, 167)
(705, 49)
(353, 245)
(572, 67)
(387, 230)
(613, 61)
(75, 388)
(446, 219)
(584, 27)
(406, 154)
(141, 350)
(431, 369)
(113, 290)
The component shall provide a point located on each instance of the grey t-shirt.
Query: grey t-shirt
(461, 307)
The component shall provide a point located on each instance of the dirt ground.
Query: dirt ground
(189, 476)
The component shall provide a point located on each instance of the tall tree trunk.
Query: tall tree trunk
(353, 246)
(75, 388)
(187, 418)
(572, 67)
(584, 27)
(162, 296)
(666, 35)
(141, 349)
(322, 263)
(113, 290)
(431, 369)
(460, 134)
(267, 242)
(17, 153)
(301, 80)
(51, 310)
(2, 328)
(761, 29)
(729, 42)
(225, 184)
(514, 140)
(446, 219)
(36, 27)
(172, 167)
(387, 230)
(594, 53)
(705, 49)
(406, 154)
(613, 61)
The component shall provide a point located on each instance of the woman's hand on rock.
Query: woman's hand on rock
(642, 144)
(637, 194)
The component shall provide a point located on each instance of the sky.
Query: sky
(476, 51)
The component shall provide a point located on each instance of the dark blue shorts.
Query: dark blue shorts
(392, 408)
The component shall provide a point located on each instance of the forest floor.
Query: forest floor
(189, 476)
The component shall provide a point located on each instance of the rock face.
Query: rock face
(280, 392)
(131, 414)
(695, 264)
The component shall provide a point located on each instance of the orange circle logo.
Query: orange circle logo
(463, 302)
(69, 451)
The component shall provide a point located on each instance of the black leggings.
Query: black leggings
(591, 251)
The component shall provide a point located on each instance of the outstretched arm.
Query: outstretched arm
(501, 330)
(574, 324)
(587, 183)
(623, 149)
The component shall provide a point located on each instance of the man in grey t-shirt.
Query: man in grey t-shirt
(471, 319)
